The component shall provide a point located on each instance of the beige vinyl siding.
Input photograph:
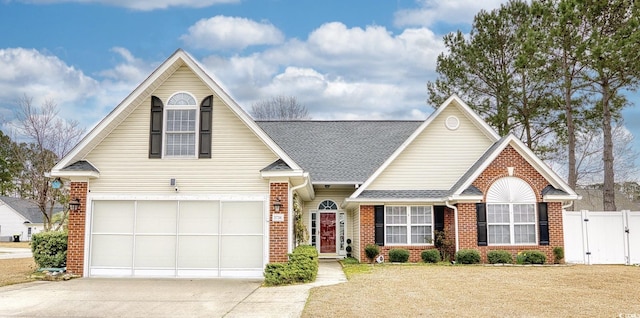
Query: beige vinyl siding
(437, 158)
(238, 154)
(353, 217)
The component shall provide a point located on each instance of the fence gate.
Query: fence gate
(602, 237)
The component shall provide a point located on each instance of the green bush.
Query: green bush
(531, 257)
(371, 251)
(302, 267)
(430, 256)
(499, 257)
(49, 249)
(558, 254)
(398, 255)
(468, 256)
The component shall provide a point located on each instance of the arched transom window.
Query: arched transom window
(511, 212)
(180, 126)
(327, 205)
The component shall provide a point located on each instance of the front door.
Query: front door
(327, 232)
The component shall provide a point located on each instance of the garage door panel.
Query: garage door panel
(198, 252)
(156, 216)
(113, 216)
(189, 238)
(199, 217)
(155, 251)
(242, 217)
(238, 251)
(112, 250)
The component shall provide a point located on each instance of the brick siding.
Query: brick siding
(279, 231)
(76, 227)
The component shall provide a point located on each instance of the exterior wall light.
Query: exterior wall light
(277, 205)
(74, 205)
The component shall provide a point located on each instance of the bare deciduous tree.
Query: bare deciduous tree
(47, 138)
(279, 108)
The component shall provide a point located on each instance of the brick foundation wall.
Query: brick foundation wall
(279, 231)
(76, 227)
(496, 170)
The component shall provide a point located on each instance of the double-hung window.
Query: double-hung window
(180, 126)
(511, 213)
(408, 225)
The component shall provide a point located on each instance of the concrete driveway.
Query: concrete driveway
(95, 297)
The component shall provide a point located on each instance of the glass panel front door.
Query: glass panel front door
(327, 232)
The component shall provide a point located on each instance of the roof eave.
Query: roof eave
(73, 174)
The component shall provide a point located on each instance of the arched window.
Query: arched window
(327, 205)
(511, 212)
(180, 125)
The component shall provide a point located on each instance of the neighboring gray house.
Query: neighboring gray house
(19, 217)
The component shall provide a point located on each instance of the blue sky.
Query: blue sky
(357, 59)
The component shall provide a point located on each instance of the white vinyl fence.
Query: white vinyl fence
(602, 237)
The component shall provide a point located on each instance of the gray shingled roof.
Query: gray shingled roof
(278, 165)
(27, 208)
(81, 165)
(551, 190)
(402, 194)
(339, 151)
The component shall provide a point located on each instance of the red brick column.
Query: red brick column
(76, 226)
(367, 229)
(279, 231)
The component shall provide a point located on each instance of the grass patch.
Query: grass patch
(464, 291)
(16, 271)
(16, 244)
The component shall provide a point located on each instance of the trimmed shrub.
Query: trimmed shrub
(430, 256)
(398, 255)
(531, 257)
(49, 249)
(371, 251)
(499, 257)
(468, 256)
(302, 267)
(558, 254)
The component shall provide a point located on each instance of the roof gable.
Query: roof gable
(478, 126)
(127, 106)
(561, 188)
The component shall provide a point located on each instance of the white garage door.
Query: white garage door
(177, 238)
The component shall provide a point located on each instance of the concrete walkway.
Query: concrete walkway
(12, 252)
(287, 301)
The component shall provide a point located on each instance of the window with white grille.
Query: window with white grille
(408, 225)
(511, 213)
(180, 126)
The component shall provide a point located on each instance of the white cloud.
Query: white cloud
(431, 12)
(41, 76)
(143, 5)
(339, 72)
(221, 32)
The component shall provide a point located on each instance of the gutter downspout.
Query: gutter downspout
(455, 219)
(566, 206)
(290, 204)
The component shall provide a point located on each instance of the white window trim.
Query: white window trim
(408, 225)
(512, 224)
(168, 107)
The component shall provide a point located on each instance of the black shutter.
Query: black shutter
(438, 218)
(543, 223)
(155, 128)
(206, 110)
(379, 220)
(481, 221)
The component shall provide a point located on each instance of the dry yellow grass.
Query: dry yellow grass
(16, 244)
(481, 291)
(16, 271)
